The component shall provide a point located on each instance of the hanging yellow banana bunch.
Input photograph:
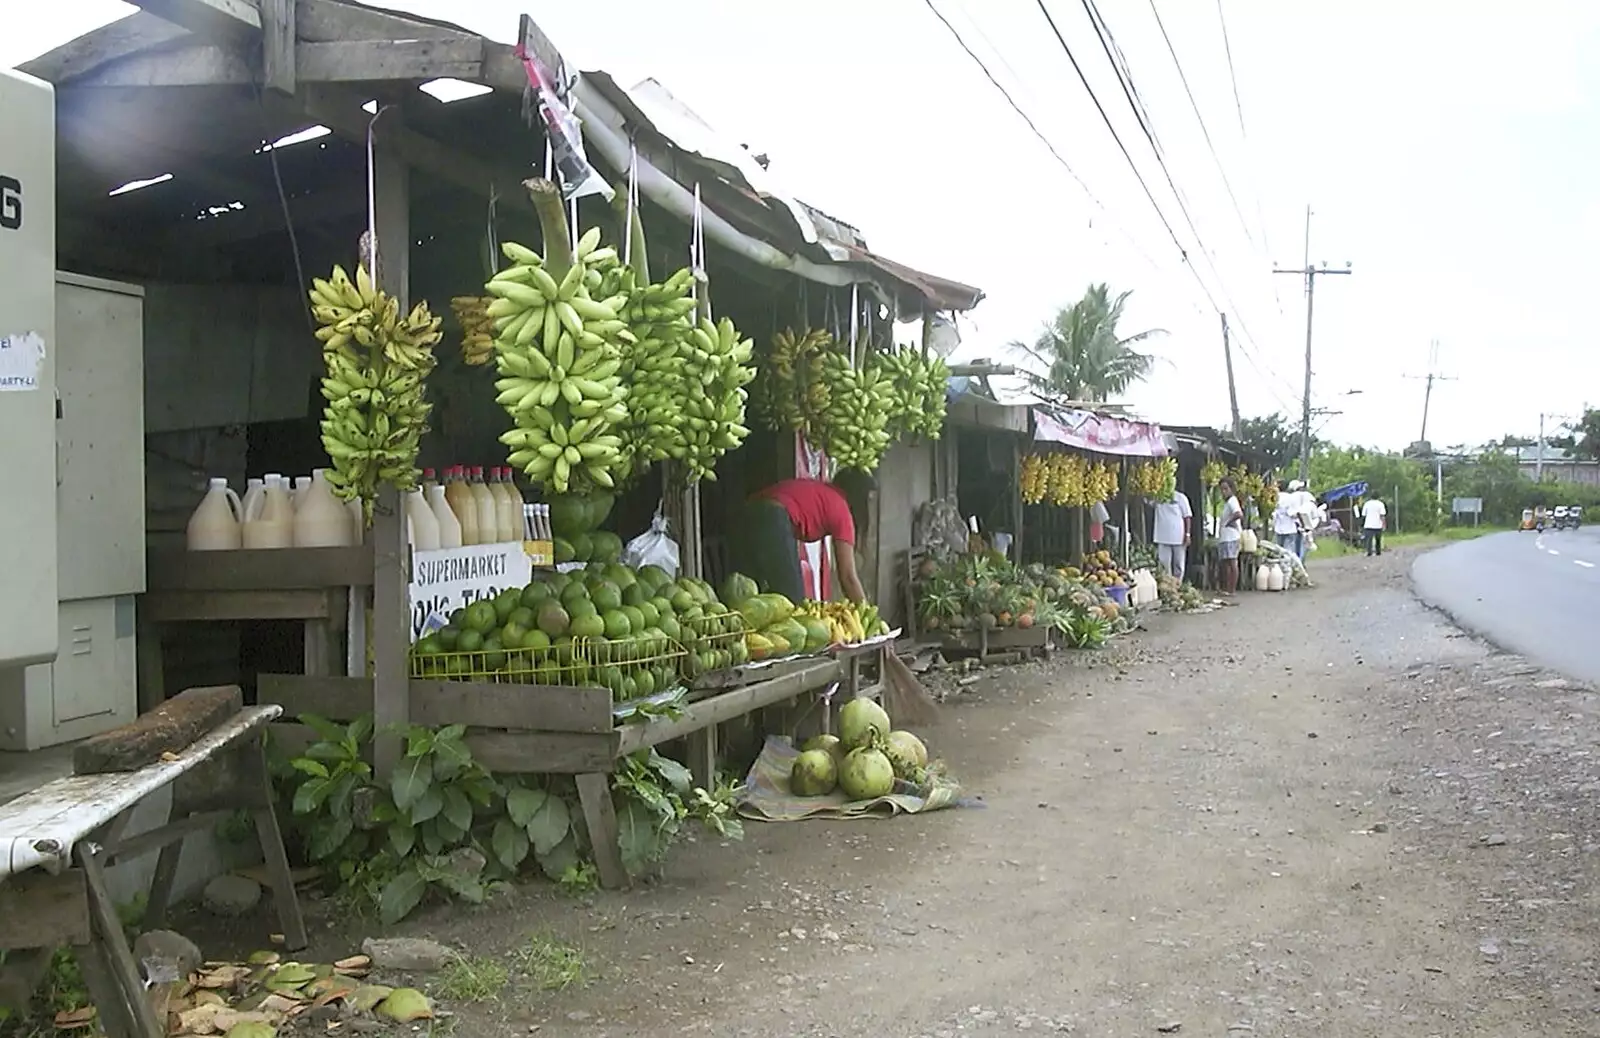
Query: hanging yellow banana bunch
(1033, 478)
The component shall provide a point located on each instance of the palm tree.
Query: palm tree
(1083, 355)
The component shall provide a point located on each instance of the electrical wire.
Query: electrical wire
(1205, 131)
(1119, 65)
(1148, 194)
(1036, 131)
(1238, 107)
(288, 219)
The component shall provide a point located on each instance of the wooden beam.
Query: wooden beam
(200, 63)
(278, 45)
(207, 17)
(135, 33)
(339, 109)
(325, 21)
(375, 60)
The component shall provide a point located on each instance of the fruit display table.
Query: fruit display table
(554, 729)
(311, 585)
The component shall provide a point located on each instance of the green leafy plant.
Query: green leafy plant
(444, 825)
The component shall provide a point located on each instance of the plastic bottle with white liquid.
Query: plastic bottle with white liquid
(214, 526)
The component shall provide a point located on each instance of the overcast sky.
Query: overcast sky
(1449, 152)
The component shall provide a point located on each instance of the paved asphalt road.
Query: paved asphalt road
(1537, 595)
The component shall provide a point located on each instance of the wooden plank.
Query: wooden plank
(391, 624)
(198, 63)
(139, 845)
(258, 569)
(168, 728)
(726, 706)
(323, 20)
(182, 606)
(354, 61)
(110, 939)
(278, 45)
(130, 35)
(594, 794)
(534, 753)
(544, 708)
(43, 911)
(220, 17)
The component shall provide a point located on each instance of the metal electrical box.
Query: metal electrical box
(27, 372)
(99, 449)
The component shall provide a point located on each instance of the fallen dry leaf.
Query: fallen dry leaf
(220, 976)
(280, 1004)
(72, 1019)
(227, 1019)
(168, 756)
(353, 963)
(209, 998)
(325, 989)
(199, 1020)
(277, 938)
(263, 958)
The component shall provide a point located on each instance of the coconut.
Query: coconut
(828, 743)
(904, 744)
(866, 774)
(858, 719)
(814, 774)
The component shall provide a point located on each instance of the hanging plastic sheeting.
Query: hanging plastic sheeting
(1349, 490)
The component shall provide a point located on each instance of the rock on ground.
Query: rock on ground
(231, 895)
(407, 954)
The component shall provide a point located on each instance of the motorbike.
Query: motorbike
(1558, 517)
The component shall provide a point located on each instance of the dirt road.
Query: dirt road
(1317, 813)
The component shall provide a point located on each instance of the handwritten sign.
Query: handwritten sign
(448, 579)
(21, 360)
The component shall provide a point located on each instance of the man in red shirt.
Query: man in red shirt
(802, 511)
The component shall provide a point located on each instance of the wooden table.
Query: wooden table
(312, 585)
(555, 729)
(57, 842)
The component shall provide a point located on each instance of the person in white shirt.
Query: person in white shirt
(1285, 518)
(1229, 525)
(1374, 517)
(1173, 521)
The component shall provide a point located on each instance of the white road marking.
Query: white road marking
(1585, 565)
(1552, 551)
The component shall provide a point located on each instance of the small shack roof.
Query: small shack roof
(128, 110)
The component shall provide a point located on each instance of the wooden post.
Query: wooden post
(391, 561)
(1016, 500)
(277, 45)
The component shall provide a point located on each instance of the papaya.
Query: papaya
(818, 636)
(737, 590)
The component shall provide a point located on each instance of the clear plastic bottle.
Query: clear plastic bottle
(489, 531)
(508, 504)
(463, 504)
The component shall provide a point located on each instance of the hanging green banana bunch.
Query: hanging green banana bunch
(377, 362)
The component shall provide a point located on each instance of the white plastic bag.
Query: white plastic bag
(653, 547)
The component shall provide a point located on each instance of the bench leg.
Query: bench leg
(277, 860)
(166, 876)
(594, 795)
(703, 756)
(122, 989)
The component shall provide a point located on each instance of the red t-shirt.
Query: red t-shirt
(816, 509)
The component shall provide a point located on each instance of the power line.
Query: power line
(1034, 127)
(1205, 130)
(1227, 48)
(1010, 100)
(1184, 253)
(1130, 90)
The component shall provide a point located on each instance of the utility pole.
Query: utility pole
(1233, 393)
(1430, 378)
(1538, 453)
(1310, 273)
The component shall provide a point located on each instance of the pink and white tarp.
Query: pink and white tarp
(1103, 434)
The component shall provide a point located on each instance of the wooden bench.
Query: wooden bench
(57, 842)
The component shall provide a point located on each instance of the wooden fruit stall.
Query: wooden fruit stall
(556, 729)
